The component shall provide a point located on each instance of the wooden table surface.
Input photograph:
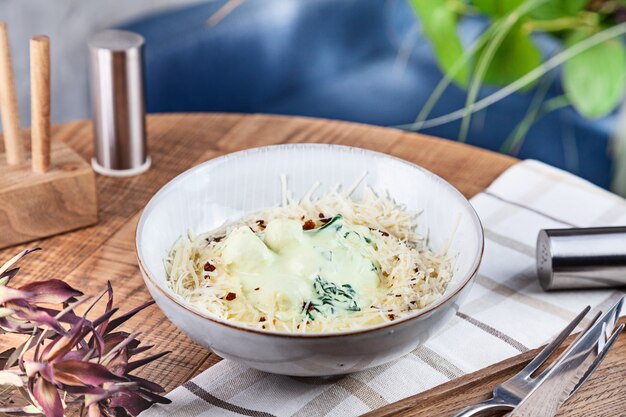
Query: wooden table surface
(87, 258)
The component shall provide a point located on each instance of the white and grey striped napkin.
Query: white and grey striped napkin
(505, 314)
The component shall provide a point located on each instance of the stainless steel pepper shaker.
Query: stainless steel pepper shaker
(117, 95)
(581, 258)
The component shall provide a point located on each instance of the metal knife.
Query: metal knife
(572, 368)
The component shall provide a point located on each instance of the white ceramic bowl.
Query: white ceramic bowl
(225, 188)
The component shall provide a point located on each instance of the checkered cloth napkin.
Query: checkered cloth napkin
(505, 314)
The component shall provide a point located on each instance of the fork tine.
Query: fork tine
(552, 346)
(595, 333)
(598, 359)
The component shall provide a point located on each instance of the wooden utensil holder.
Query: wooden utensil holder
(34, 206)
(54, 192)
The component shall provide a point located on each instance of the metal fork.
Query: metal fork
(509, 394)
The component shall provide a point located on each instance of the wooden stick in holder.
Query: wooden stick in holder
(13, 145)
(40, 102)
(48, 198)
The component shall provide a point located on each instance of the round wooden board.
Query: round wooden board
(89, 257)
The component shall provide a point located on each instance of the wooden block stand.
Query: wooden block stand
(34, 205)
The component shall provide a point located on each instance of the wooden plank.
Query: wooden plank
(602, 395)
(89, 257)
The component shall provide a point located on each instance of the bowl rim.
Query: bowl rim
(467, 279)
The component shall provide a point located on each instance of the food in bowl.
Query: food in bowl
(227, 188)
(315, 265)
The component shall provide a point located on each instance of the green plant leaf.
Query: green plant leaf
(496, 7)
(554, 9)
(595, 80)
(516, 56)
(439, 23)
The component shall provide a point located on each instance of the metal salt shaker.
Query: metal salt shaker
(117, 95)
(581, 258)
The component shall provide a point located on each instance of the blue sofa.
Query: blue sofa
(340, 59)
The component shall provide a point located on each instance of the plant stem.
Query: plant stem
(563, 23)
(555, 103)
(551, 105)
(514, 140)
(555, 61)
(447, 78)
(485, 60)
(481, 70)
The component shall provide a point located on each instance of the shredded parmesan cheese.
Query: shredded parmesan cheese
(411, 275)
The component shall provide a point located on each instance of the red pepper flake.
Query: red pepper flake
(398, 295)
(301, 217)
(384, 233)
(263, 327)
(321, 215)
(262, 319)
(298, 326)
(310, 307)
(324, 221)
(261, 224)
(308, 225)
(231, 296)
(208, 267)
(413, 302)
(391, 316)
(218, 239)
(416, 270)
(257, 288)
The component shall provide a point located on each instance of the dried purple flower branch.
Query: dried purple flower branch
(68, 359)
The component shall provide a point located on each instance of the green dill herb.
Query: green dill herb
(333, 220)
(330, 297)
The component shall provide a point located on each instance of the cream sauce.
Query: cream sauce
(294, 272)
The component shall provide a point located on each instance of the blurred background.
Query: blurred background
(69, 24)
(383, 62)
